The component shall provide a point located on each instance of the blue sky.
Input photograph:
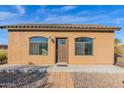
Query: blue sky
(105, 15)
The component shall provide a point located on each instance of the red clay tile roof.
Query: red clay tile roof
(59, 27)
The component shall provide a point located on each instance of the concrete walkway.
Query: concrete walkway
(69, 68)
(87, 68)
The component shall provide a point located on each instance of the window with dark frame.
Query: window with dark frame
(83, 46)
(38, 46)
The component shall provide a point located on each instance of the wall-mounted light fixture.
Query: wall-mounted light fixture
(52, 40)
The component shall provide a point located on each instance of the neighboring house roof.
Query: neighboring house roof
(60, 27)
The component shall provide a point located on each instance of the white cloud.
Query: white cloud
(6, 15)
(64, 19)
(7, 18)
(63, 9)
(21, 9)
(10, 17)
(86, 12)
(94, 19)
(45, 10)
(67, 8)
(87, 17)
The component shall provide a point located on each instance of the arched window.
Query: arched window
(83, 46)
(38, 46)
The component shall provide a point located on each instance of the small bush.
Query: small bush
(3, 56)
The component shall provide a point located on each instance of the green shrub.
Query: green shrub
(118, 47)
(3, 56)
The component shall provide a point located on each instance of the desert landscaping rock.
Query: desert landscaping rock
(25, 80)
(98, 80)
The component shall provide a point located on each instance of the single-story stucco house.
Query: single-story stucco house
(60, 43)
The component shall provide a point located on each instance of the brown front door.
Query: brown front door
(61, 50)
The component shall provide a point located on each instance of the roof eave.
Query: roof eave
(42, 27)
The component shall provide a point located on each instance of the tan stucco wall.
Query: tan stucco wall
(18, 47)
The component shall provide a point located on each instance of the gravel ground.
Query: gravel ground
(22, 76)
(98, 80)
(23, 80)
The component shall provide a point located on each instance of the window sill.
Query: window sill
(84, 55)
